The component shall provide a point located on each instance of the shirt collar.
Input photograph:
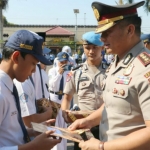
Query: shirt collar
(5, 78)
(133, 53)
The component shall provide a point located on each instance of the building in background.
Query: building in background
(55, 36)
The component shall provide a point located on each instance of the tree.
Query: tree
(3, 5)
(146, 6)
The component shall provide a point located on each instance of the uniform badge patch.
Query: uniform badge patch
(96, 13)
(24, 97)
(123, 80)
(128, 70)
(69, 76)
(144, 58)
(127, 59)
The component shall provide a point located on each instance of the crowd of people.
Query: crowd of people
(113, 81)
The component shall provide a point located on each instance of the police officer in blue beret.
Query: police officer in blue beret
(86, 80)
(21, 53)
(124, 118)
(146, 39)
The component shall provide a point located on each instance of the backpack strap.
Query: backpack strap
(41, 80)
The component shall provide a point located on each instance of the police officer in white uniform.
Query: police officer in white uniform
(20, 54)
(57, 79)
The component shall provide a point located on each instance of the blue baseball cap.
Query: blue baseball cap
(62, 56)
(91, 38)
(46, 50)
(28, 42)
(145, 37)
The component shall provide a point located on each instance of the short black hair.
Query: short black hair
(7, 52)
(135, 20)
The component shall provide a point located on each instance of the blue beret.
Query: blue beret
(91, 38)
(62, 56)
(145, 37)
(28, 42)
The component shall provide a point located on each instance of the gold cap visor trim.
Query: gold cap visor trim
(103, 28)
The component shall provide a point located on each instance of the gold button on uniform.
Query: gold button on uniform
(122, 92)
(83, 84)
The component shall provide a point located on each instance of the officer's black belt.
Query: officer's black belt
(57, 93)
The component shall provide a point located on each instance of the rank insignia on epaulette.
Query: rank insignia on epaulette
(127, 59)
(147, 75)
(144, 58)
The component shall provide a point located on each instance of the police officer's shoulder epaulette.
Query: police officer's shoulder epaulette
(144, 58)
(77, 75)
(77, 67)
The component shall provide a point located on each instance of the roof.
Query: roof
(58, 31)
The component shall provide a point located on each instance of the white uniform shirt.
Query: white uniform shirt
(26, 92)
(37, 83)
(11, 133)
(54, 85)
(54, 82)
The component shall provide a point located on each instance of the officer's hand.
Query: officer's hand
(88, 145)
(65, 115)
(44, 141)
(80, 124)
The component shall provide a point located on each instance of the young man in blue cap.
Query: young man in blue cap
(57, 79)
(20, 55)
(125, 117)
(146, 39)
(86, 81)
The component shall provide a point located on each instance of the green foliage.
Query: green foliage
(3, 4)
(146, 6)
(6, 23)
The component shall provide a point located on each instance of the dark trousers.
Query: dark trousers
(95, 131)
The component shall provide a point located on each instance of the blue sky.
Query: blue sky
(59, 12)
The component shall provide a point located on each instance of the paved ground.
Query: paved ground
(69, 143)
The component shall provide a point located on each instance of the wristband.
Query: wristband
(101, 146)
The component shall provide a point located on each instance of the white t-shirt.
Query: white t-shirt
(11, 133)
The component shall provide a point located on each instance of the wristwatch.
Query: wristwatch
(101, 146)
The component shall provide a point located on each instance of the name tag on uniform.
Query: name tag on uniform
(84, 79)
(123, 80)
